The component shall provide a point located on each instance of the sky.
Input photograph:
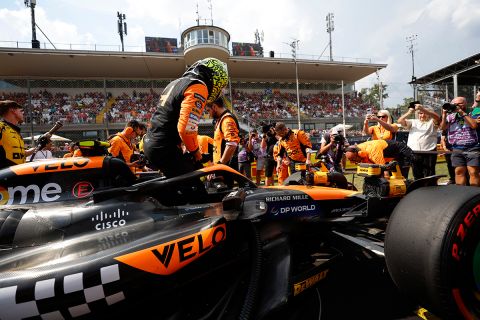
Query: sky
(376, 31)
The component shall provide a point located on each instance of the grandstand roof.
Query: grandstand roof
(467, 70)
(67, 64)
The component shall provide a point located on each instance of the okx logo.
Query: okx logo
(110, 220)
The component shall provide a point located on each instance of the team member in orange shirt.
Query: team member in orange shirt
(381, 151)
(225, 137)
(295, 143)
(282, 171)
(121, 145)
(177, 116)
(205, 143)
(71, 150)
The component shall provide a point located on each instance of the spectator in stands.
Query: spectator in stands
(44, 153)
(259, 152)
(385, 129)
(422, 136)
(461, 134)
(296, 145)
(332, 146)
(379, 151)
(12, 147)
(269, 140)
(245, 157)
(178, 114)
(121, 144)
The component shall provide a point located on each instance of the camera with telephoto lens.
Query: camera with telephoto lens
(449, 107)
(338, 138)
(412, 104)
(266, 129)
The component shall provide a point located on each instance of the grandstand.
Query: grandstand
(93, 93)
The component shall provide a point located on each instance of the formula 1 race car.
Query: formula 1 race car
(80, 239)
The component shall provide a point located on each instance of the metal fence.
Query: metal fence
(94, 108)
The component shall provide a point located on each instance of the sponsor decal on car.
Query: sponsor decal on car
(82, 189)
(65, 297)
(287, 198)
(30, 194)
(113, 220)
(58, 165)
(307, 283)
(167, 258)
(293, 209)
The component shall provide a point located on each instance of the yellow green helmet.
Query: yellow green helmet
(215, 74)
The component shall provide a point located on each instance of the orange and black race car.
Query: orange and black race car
(81, 238)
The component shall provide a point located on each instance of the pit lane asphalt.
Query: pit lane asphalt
(353, 292)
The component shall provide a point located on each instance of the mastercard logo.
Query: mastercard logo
(3, 195)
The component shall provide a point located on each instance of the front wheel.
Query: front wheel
(432, 249)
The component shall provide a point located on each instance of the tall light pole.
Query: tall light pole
(330, 28)
(411, 49)
(122, 26)
(31, 4)
(294, 45)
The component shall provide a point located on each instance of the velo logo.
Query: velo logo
(113, 220)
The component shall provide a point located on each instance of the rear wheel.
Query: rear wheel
(432, 249)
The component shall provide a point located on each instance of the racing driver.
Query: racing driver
(178, 113)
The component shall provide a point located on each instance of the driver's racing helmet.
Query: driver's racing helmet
(213, 72)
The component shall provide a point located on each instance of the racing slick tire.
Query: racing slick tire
(432, 249)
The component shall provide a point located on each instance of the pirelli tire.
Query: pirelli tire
(432, 249)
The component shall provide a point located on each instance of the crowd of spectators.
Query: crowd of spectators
(139, 106)
(49, 107)
(278, 105)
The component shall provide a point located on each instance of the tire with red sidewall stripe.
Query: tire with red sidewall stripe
(432, 249)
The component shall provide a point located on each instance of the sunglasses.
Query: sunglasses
(382, 116)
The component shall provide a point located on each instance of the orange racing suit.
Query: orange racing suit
(175, 121)
(295, 144)
(121, 147)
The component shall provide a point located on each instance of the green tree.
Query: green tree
(372, 95)
(404, 106)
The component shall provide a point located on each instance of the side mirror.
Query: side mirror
(233, 204)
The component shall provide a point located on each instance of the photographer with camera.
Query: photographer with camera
(422, 136)
(44, 151)
(462, 135)
(333, 146)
